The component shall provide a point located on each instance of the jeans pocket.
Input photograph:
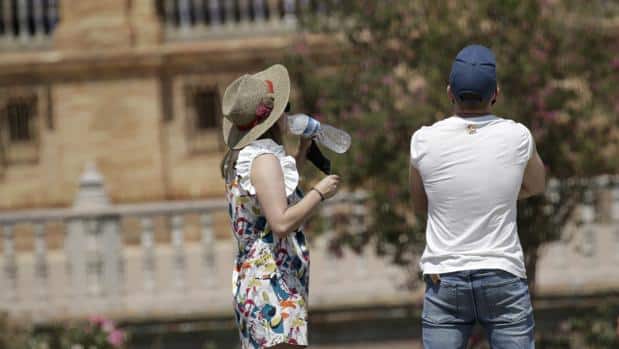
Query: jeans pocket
(508, 301)
(440, 303)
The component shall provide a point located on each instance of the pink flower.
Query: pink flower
(96, 320)
(615, 63)
(539, 54)
(548, 116)
(108, 326)
(116, 338)
(300, 47)
(388, 80)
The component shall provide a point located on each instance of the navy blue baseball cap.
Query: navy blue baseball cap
(473, 73)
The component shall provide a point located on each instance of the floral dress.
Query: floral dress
(270, 281)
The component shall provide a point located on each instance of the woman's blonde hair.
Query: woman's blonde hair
(229, 160)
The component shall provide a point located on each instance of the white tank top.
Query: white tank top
(472, 172)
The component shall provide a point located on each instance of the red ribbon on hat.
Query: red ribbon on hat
(262, 111)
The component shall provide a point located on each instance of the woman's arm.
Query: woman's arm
(268, 180)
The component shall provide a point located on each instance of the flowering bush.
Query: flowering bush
(96, 333)
(557, 70)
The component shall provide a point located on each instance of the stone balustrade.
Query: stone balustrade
(94, 270)
(27, 23)
(584, 259)
(192, 19)
(165, 274)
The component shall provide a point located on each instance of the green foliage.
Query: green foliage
(596, 329)
(14, 335)
(589, 328)
(209, 345)
(557, 69)
(97, 332)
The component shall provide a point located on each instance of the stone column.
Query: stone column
(145, 24)
(94, 245)
(88, 25)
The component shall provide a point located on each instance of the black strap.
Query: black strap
(315, 156)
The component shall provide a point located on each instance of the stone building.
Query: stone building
(131, 85)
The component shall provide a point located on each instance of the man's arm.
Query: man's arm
(418, 192)
(534, 179)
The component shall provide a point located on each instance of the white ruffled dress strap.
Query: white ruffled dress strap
(261, 147)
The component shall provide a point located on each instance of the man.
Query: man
(467, 173)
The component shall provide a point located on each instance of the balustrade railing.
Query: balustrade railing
(89, 274)
(191, 19)
(584, 259)
(89, 266)
(27, 23)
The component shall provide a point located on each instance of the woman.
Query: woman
(267, 210)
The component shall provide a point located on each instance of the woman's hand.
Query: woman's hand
(328, 186)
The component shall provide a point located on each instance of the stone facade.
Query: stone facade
(113, 91)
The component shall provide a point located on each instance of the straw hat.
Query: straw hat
(253, 103)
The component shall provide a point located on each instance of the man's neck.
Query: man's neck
(472, 113)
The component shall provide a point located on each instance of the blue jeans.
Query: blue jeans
(498, 300)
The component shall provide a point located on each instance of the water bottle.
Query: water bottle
(329, 136)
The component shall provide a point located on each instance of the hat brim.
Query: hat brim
(236, 139)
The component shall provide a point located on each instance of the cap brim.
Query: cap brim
(278, 74)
